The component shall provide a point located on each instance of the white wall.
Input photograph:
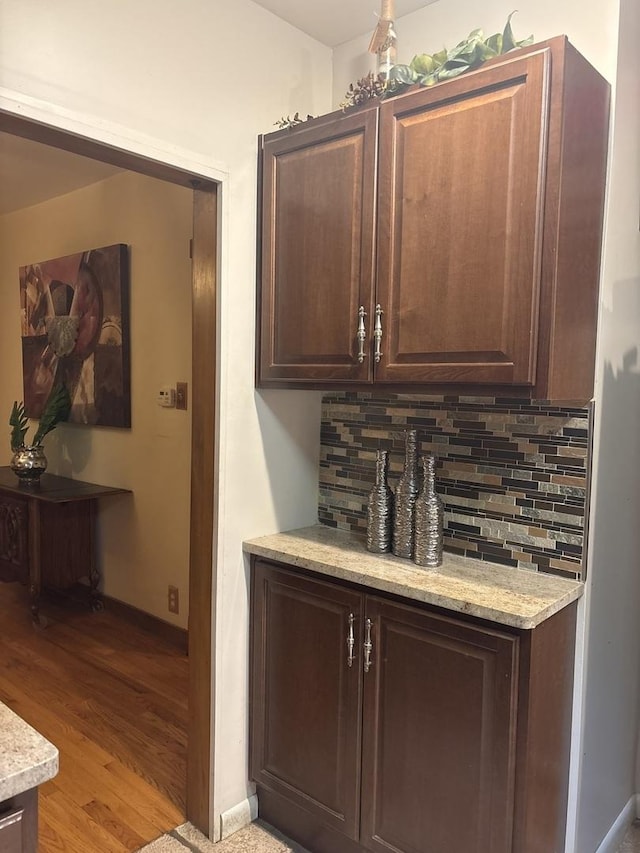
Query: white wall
(608, 663)
(198, 80)
(143, 539)
(612, 685)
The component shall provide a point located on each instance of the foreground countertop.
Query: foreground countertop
(26, 758)
(508, 596)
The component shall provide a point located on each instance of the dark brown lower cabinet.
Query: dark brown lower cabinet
(383, 725)
(19, 823)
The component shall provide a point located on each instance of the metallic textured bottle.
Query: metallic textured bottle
(405, 499)
(429, 519)
(380, 508)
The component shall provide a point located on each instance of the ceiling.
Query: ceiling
(31, 173)
(333, 22)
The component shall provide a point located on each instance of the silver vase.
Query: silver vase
(28, 463)
(405, 499)
(429, 519)
(380, 508)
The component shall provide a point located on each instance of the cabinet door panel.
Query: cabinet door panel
(70, 526)
(439, 734)
(306, 723)
(317, 250)
(11, 836)
(19, 823)
(14, 556)
(459, 235)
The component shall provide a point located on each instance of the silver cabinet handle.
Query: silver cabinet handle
(10, 819)
(377, 333)
(351, 641)
(362, 333)
(368, 646)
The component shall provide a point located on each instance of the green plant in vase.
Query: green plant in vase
(28, 461)
(19, 424)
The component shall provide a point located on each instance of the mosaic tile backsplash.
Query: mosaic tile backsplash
(513, 475)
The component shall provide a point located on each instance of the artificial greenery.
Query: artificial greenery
(56, 410)
(371, 86)
(287, 121)
(19, 424)
(426, 69)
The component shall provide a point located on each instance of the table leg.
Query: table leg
(35, 566)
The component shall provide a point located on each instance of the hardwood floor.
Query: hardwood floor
(113, 698)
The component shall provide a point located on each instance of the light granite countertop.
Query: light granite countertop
(508, 596)
(26, 758)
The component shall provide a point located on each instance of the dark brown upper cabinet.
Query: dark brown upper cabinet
(447, 238)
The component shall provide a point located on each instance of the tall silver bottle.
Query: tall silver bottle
(380, 508)
(429, 518)
(405, 499)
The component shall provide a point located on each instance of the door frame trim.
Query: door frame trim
(44, 123)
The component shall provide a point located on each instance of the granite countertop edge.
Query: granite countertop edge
(27, 759)
(507, 596)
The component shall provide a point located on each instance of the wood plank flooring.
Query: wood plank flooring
(113, 698)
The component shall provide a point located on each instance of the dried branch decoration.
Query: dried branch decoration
(371, 86)
(287, 121)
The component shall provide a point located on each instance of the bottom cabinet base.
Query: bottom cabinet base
(301, 826)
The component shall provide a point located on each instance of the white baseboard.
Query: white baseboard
(616, 834)
(238, 816)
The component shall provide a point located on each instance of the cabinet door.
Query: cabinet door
(11, 837)
(19, 823)
(14, 556)
(439, 734)
(459, 234)
(66, 542)
(318, 197)
(306, 697)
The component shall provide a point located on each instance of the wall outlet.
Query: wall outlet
(174, 599)
(181, 395)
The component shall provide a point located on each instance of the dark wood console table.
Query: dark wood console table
(47, 533)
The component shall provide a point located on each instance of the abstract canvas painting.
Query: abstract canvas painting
(75, 330)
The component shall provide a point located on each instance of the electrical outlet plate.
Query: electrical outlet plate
(174, 599)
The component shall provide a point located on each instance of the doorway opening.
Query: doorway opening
(203, 450)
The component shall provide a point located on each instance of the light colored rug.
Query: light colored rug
(258, 837)
(631, 843)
